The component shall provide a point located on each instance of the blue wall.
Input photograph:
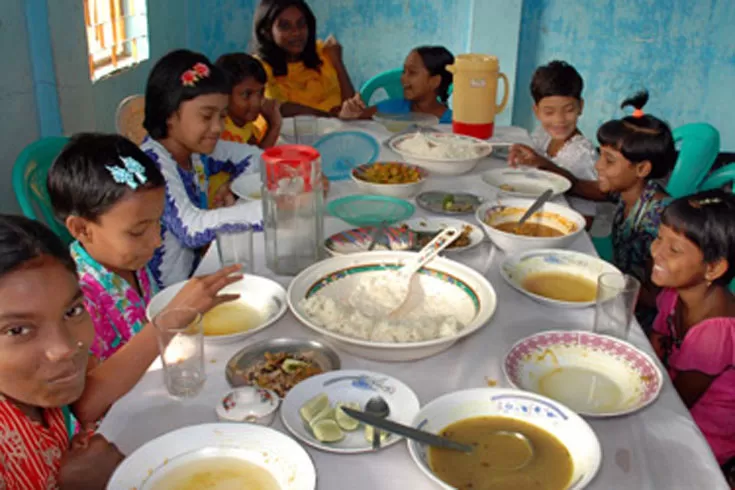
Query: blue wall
(683, 51)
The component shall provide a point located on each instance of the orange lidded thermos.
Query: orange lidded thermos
(475, 94)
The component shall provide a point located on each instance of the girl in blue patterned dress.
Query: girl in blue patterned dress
(185, 108)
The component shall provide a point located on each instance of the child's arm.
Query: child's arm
(271, 111)
(691, 385)
(333, 51)
(233, 158)
(525, 155)
(109, 381)
(355, 108)
(195, 227)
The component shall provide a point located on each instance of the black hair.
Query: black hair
(265, 47)
(558, 78)
(240, 66)
(708, 220)
(436, 59)
(641, 138)
(23, 240)
(165, 89)
(80, 182)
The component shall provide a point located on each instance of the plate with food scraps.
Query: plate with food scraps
(311, 410)
(449, 203)
(280, 364)
(247, 186)
(561, 278)
(594, 375)
(426, 229)
(359, 240)
(525, 182)
(233, 455)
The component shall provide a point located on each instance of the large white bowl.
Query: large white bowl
(337, 277)
(569, 428)
(400, 191)
(443, 166)
(557, 216)
(273, 451)
(525, 182)
(260, 293)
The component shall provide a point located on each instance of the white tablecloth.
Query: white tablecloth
(659, 447)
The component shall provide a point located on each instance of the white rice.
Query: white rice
(422, 147)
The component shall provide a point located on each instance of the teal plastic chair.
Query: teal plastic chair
(29, 182)
(390, 81)
(721, 178)
(699, 144)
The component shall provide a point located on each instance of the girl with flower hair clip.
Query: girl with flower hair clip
(694, 332)
(186, 103)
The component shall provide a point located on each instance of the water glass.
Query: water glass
(181, 343)
(617, 295)
(305, 129)
(236, 247)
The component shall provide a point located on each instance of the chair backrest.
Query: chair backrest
(390, 81)
(129, 118)
(29, 182)
(699, 144)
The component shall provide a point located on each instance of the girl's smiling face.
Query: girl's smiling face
(45, 334)
(198, 123)
(618, 174)
(290, 31)
(679, 263)
(417, 82)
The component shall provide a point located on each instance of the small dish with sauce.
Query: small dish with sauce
(565, 454)
(560, 278)
(554, 226)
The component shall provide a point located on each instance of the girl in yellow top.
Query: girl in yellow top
(305, 75)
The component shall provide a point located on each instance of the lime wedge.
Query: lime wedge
(313, 407)
(369, 434)
(326, 414)
(327, 430)
(345, 421)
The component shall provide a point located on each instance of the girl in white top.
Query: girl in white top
(185, 106)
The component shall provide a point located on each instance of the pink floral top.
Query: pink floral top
(708, 347)
(117, 310)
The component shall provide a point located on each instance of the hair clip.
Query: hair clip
(638, 113)
(704, 202)
(132, 175)
(190, 77)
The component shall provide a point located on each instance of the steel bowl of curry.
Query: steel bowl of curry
(554, 226)
(520, 440)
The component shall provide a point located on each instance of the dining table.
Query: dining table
(658, 447)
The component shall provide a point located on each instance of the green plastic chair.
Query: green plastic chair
(29, 182)
(390, 81)
(699, 144)
(721, 178)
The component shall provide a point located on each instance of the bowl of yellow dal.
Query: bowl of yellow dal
(262, 302)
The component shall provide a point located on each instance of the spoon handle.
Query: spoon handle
(538, 204)
(430, 251)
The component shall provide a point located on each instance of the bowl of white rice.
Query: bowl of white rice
(448, 301)
(441, 153)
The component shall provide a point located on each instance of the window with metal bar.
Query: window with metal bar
(117, 35)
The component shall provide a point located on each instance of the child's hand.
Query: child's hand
(202, 293)
(325, 185)
(352, 108)
(89, 463)
(333, 50)
(223, 197)
(271, 110)
(525, 155)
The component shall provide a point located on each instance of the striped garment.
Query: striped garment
(30, 454)
(187, 225)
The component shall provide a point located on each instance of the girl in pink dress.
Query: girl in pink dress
(694, 332)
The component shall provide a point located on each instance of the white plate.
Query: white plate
(472, 295)
(569, 428)
(516, 268)
(349, 386)
(594, 375)
(280, 455)
(247, 186)
(266, 296)
(529, 183)
(325, 125)
(436, 224)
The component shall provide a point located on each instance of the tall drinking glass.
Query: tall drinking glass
(617, 295)
(181, 343)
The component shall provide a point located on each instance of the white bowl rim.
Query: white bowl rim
(564, 183)
(393, 345)
(521, 202)
(497, 391)
(620, 413)
(519, 256)
(393, 144)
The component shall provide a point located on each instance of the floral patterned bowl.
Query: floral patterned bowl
(556, 419)
(594, 375)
